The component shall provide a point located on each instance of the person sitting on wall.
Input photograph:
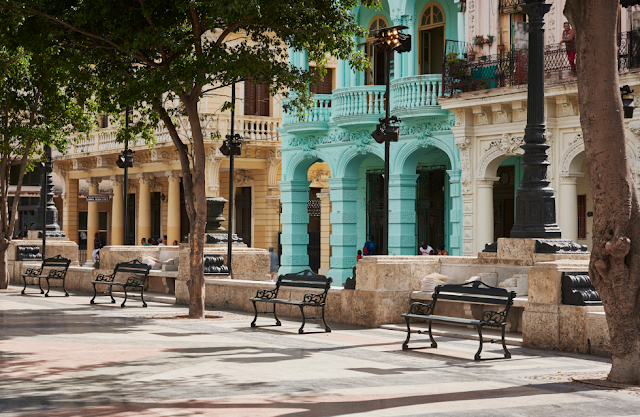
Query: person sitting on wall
(161, 242)
(175, 243)
(144, 242)
(442, 251)
(97, 245)
(425, 249)
(274, 263)
(359, 255)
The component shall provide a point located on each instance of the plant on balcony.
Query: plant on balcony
(478, 40)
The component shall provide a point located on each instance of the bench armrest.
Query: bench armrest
(105, 278)
(267, 294)
(422, 309)
(33, 271)
(315, 298)
(494, 318)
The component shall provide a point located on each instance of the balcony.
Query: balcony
(359, 105)
(416, 96)
(511, 69)
(103, 141)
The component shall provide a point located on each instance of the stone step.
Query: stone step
(458, 332)
(155, 297)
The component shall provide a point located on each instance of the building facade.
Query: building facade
(462, 96)
(155, 205)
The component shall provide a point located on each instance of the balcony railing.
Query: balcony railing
(252, 128)
(462, 74)
(421, 90)
(357, 101)
(321, 111)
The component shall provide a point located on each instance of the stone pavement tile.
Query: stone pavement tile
(49, 360)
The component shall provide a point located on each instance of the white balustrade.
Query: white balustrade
(416, 91)
(361, 100)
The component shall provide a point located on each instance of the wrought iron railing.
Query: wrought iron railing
(628, 51)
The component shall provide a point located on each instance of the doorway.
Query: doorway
(243, 214)
(430, 207)
(313, 229)
(375, 207)
(504, 202)
(130, 235)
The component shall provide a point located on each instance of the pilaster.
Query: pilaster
(455, 212)
(117, 210)
(402, 214)
(173, 207)
(295, 218)
(485, 211)
(144, 207)
(325, 231)
(92, 218)
(344, 218)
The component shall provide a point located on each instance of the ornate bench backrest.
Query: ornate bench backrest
(56, 262)
(306, 279)
(133, 267)
(481, 293)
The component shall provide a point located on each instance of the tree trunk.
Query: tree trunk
(615, 258)
(199, 218)
(4, 271)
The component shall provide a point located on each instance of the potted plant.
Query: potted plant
(478, 40)
(501, 47)
(490, 39)
(471, 55)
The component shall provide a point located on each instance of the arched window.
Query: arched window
(431, 38)
(375, 73)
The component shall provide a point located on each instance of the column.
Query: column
(569, 206)
(402, 214)
(117, 210)
(144, 207)
(295, 219)
(455, 212)
(173, 207)
(344, 219)
(92, 218)
(325, 231)
(485, 212)
(70, 212)
(411, 56)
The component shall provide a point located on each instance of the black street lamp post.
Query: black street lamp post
(46, 213)
(232, 146)
(126, 161)
(390, 40)
(535, 200)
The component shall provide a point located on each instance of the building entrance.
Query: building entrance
(375, 206)
(313, 229)
(504, 202)
(243, 214)
(430, 207)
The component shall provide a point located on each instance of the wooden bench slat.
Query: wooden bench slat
(472, 299)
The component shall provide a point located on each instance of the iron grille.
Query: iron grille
(313, 208)
(510, 6)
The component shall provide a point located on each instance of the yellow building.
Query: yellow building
(155, 197)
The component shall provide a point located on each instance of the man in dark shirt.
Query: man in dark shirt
(97, 245)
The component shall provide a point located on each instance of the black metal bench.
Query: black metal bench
(304, 279)
(136, 267)
(57, 267)
(474, 292)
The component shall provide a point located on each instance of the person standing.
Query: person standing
(274, 264)
(161, 242)
(569, 40)
(97, 245)
(369, 246)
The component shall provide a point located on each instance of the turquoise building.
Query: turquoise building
(424, 184)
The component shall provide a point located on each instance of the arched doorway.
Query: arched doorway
(431, 39)
(374, 75)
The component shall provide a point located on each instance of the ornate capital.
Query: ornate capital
(117, 180)
(173, 175)
(536, 9)
(463, 142)
(93, 181)
(145, 178)
(242, 178)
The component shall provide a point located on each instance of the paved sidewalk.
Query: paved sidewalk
(63, 357)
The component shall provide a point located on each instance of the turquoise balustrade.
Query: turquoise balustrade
(361, 100)
(416, 91)
(321, 111)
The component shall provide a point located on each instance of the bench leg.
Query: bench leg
(125, 296)
(66, 294)
(94, 294)
(40, 285)
(477, 357)
(48, 287)
(326, 326)
(25, 284)
(274, 315)
(142, 296)
(405, 345)
(113, 300)
(255, 308)
(507, 354)
(433, 342)
(301, 329)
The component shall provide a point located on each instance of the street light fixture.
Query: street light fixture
(391, 40)
(125, 160)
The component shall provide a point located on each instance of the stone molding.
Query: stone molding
(145, 178)
(242, 178)
(117, 180)
(173, 175)
(93, 181)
